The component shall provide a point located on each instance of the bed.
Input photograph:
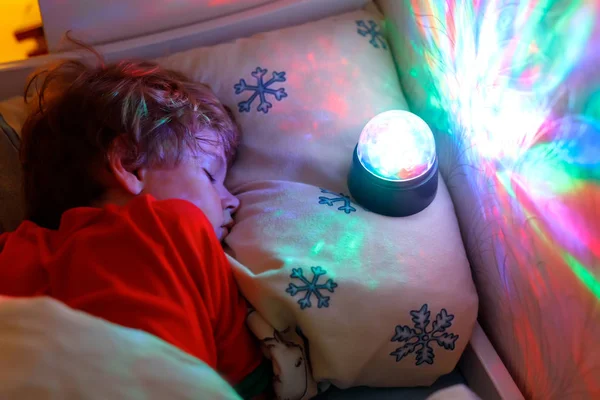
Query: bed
(332, 66)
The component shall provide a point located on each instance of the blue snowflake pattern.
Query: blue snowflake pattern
(423, 336)
(370, 28)
(311, 287)
(347, 207)
(261, 90)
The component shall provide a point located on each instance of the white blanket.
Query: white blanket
(48, 351)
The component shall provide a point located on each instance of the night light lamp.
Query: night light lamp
(394, 168)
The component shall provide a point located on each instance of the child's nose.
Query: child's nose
(230, 202)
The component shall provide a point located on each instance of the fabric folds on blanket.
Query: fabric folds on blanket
(49, 351)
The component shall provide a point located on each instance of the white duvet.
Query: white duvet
(48, 351)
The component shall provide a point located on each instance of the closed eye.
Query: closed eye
(210, 176)
(298, 362)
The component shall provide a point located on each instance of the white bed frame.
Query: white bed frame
(480, 364)
(262, 18)
(484, 371)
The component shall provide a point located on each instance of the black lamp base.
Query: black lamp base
(393, 199)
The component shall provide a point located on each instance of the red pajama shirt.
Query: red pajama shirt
(150, 265)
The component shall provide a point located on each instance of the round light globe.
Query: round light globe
(394, 168)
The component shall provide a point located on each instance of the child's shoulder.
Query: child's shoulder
(178, 214)
(142, 214)
(171, 208)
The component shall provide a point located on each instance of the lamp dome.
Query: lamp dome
(397, 146)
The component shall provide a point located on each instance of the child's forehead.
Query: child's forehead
(210, 146)
(210, 152)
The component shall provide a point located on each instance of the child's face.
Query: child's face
(198, 179)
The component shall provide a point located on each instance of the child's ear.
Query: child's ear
(130, 180)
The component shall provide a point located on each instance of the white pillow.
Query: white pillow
(326, 79)
(378, 276)
(50, 351)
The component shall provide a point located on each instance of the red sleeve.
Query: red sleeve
(231, 332)
(237, 349)
(21, 254)
(159, 267)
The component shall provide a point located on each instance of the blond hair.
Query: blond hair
(78, 112)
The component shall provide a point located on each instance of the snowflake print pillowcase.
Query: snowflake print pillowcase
(380, 301)
(301, 95)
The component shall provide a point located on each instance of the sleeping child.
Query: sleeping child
(123, 173)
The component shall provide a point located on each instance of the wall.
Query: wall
(511, 90)
(16, 14)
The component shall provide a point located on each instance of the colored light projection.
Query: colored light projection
(511, 91)
(397, 146)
